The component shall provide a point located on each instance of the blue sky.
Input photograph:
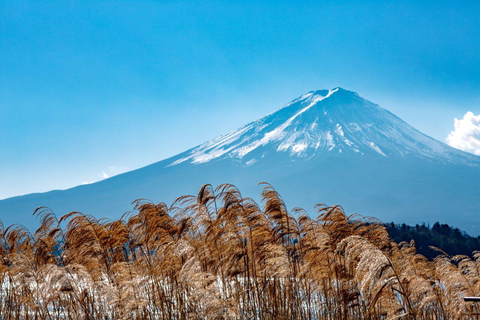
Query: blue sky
(89, 89)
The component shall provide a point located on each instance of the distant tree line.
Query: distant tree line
(451, 240)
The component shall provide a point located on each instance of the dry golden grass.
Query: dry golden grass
(218, 255)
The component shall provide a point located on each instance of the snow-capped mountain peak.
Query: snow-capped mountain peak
(323, 121)
(329, 146)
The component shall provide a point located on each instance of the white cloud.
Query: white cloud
(466, 135)
(110, 172)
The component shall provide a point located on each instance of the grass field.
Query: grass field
(220, 256)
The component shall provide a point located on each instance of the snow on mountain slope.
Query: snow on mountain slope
(324, 121)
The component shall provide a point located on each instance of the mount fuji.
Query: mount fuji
(328, 146)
